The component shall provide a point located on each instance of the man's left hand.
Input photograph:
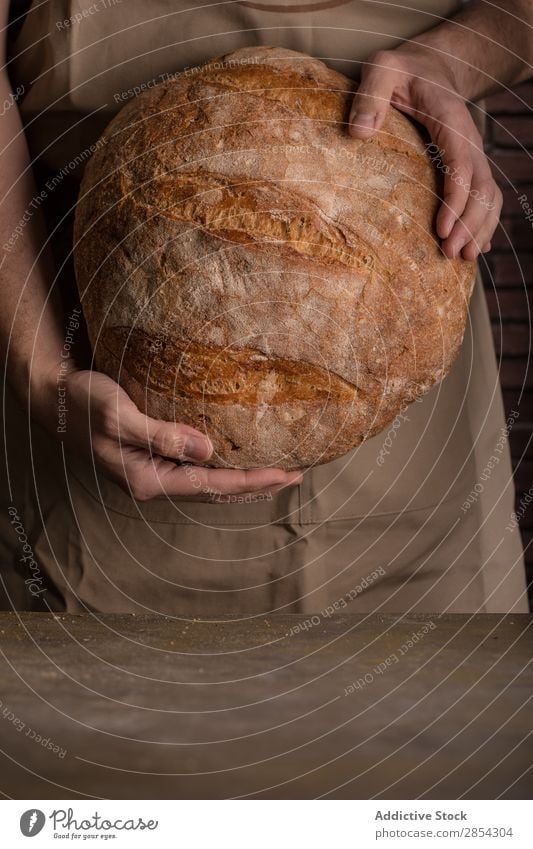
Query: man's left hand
(417, 81)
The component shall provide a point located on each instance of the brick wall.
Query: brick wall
(508, 275)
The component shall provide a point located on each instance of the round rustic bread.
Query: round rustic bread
(248, 268)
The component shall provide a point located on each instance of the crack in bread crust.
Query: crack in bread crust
(256, 211)
(302, 96)
(245, 376)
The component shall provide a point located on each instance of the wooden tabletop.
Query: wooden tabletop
(123, 706)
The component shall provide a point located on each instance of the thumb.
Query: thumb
(371, 101)
(175, 441)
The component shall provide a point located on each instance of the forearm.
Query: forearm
(30, 315)
(486, 45)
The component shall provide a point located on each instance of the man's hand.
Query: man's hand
(418, 82)
(140, 453)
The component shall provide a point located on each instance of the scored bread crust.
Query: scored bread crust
(248, 268)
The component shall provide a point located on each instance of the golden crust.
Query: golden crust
(247, 267)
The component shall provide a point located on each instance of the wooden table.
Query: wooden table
(122, 706)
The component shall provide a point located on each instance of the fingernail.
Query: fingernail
(444, 228)
(460, 244)
(457, 246)
(363, 121)
(197, 448)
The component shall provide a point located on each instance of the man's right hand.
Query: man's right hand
(140, 453)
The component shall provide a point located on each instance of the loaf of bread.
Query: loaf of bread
(248, 268)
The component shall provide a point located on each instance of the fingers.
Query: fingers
(159, 478)
(242, 497)
(115, 417)
(371, 101)
(473, 231)
(233, 481)
(167, 439)
(457, 169)
(137, 451)
(472, 202)
(458, 145)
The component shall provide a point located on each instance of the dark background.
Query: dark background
(508, 276)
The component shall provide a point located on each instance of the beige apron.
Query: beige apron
(384, 528)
